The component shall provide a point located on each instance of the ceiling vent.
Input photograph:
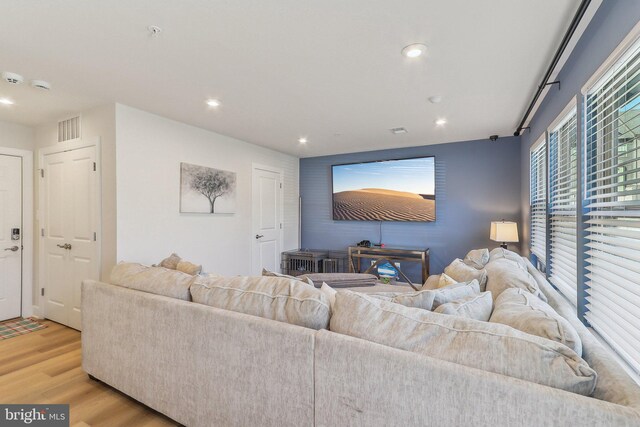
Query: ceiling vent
(69, 129)
(40, 84)
(13, 78)
(398, 131)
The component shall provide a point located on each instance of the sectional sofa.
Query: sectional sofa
(206, 366)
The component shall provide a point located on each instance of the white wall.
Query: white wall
(149, 150)
(16, 136)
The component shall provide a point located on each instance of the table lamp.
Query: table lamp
(504, 232)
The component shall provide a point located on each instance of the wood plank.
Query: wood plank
(45, 367)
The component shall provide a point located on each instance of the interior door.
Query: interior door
(70, 225)
(10, 237)
(267, 220)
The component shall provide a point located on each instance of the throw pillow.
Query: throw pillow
(461, 272)
(329, 292)
(523, 311)
(275, 298)
(303, 278)
(155, 280)
(188, 267)
(502, 253)
(171, 262)
(445, 281)
(504, 274)
(477, 258)
(477, 307)
(430, 299)
(488, 346)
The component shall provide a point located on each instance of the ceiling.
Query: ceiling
(329, 70)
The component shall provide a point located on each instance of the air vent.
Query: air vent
(398, 131)
(69, 129)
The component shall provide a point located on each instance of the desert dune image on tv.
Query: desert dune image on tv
(389, 190)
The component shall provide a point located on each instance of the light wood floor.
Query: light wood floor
(44, 367)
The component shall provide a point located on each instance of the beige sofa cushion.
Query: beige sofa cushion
(275, 298)
(302, 279)
(503, 273)
(155, 280)
(527, 313)
(477, 258)
(342, 280)
(171, 262)
(487, 346)
(461, 272)
(477, 307)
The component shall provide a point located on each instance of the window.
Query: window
(563, 181)
(612, 195)
(538, 176)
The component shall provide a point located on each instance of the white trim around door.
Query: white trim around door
(27, 227)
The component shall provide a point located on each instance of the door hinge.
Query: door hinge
(280, 226)
(280, 185)
(95, 236)
(41, 291)
(94, 166)
(42, 173)
(42, 232)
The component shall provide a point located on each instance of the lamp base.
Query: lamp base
(503, 245)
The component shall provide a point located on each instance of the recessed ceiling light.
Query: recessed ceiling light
(6, 101)
(303, 140)
(398, 131)
(441, 122)
(435, 99)
(213, 103)
(414, 50)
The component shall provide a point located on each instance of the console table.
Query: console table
(390, 254)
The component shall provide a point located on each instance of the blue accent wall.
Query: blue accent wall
(476, 182)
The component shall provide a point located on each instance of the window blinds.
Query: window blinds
(563, 180)
(538, 175)
(612, 179)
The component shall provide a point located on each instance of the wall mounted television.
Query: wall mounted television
(385, 190)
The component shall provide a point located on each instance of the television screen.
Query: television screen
(388, 190)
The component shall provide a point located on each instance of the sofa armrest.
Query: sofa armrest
(367, 384)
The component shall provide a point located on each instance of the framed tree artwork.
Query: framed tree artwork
(207, 190)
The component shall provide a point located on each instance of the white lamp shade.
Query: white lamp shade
(504, 231)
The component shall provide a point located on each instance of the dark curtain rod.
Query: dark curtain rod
(554, 62)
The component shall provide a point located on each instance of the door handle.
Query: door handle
(65, 246)
(258, 236)
(12, 249)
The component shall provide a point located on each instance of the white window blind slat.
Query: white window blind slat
(612, 181)
(563, 179)
(538, 201)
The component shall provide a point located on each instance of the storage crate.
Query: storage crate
(335, 262)
(303, 261)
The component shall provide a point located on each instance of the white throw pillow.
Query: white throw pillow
(477, 307)
(488, 346)
(527, 313)
(445, 280)
(477, 258)
(503, 274)
(461, 272)
(329, 292)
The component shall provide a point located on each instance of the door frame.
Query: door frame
(280, 172)
(26, 304)
(61, 147)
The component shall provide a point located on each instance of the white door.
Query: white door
(267, 220)
(10, 237)
(70, 223)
